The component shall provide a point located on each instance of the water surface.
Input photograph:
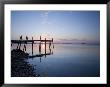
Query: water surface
(67, 60)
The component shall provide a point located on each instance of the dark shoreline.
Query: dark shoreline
(19, 66)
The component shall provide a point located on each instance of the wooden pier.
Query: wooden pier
(32, 41)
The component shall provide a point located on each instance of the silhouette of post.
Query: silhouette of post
(50, 50)
(45, 47)
(53, 46)
(26, 39)
(32, 45)
(52, 39)
(39, 49)
(40, 46)
(40, 37)
(19, 44)
(20, 41)
(25, 47)
(49, 44)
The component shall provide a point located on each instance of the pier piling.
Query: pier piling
(45, 47)
(32, 41)
(32, 45)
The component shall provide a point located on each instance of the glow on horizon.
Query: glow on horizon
(63, 26)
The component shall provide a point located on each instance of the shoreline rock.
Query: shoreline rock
(19, 66)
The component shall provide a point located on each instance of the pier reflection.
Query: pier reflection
(43, 47)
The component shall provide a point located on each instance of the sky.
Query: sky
(62, 26)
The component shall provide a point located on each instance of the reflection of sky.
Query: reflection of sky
(69, 60)
(68, 26)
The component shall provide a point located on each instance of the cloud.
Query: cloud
(44, 17)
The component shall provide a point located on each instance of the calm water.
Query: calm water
(67, 60)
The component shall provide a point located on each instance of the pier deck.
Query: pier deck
(30, 41)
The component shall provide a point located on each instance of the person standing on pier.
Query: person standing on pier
(26, 38)
(21, 37)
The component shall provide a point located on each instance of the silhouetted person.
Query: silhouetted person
(20, 41)
(26, 38)
(21, 37)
